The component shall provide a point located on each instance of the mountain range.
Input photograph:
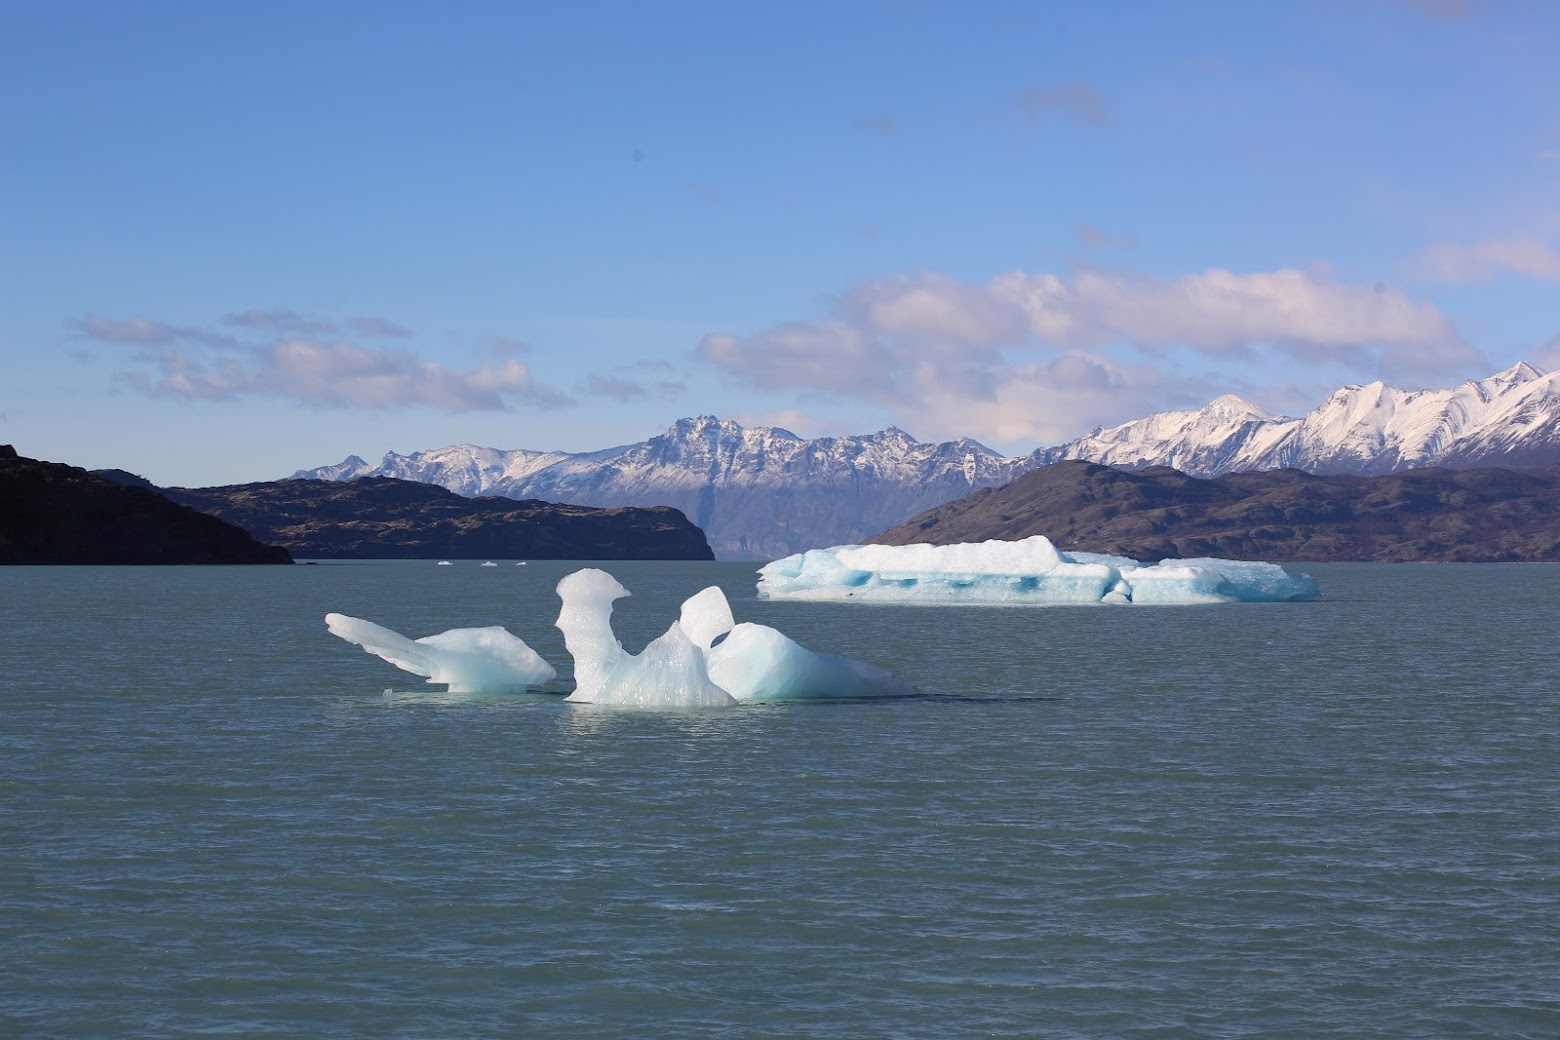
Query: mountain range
(764, 492)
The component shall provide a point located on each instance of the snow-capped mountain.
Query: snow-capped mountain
(1510, 419)
(758, 493)
(764, 492)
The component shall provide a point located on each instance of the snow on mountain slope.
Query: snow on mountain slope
(758, 493)
(1511, 418)
(764, 493)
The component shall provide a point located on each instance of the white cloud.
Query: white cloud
(142, 332)
(640, 381)
(1034, 356)
(826, 355)
(180, 362)
(1481, 261)
(793, 420)
(934, 309)
(346, 375)
(1038, 403)
(1221, 313)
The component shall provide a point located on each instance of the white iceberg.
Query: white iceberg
(669, 673)
(705, 659)
(687, 667)
(759, 663)
(469, 660)
(1031, 571)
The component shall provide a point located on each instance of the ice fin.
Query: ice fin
(706, 616)
(586, 623)
(468, 660)
(381, 642)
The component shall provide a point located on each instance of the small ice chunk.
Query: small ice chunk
(469, 660)
(758, 663)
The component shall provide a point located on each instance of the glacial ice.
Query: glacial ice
(1031, 571)
(759, 663)
(689, 666)
(669, 673)
(470, 660)
(686, 667)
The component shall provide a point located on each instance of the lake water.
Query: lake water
(1328, 819)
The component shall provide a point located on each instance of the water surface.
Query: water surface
(1328, 819)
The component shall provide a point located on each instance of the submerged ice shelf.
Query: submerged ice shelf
(705, 659)
(1031, 571)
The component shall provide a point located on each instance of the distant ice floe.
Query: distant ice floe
(1031, 571)
(689, 666)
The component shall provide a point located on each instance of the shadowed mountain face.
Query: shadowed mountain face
(378, 517)
(1427, 515)
(54, 513)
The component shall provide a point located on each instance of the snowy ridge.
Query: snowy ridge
(1511, 418)
(763, 492)
(759, 492)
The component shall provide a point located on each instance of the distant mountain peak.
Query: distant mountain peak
(1511, 418)
(764, 492)
(1521, 372)
(1229, 406)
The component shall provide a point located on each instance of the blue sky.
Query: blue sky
(240, 239)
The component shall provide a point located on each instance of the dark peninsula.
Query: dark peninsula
(53, 513)
(1425, 515)
(384, 518)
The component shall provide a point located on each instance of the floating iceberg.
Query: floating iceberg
(686, 667)
(1031, 571)
(669, 673)
(759, 663)
(690, 666)
(470, 660)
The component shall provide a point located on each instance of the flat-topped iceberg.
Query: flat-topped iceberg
(1031, 571)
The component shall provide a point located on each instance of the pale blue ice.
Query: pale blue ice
(1031, 571)
(468, 660)
(704, 659)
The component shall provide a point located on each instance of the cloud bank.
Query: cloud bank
(197, 365)
(1526, 255)
(1039, 356)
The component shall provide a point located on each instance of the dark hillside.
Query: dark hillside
(54, 513)
(1427, 515)
(380, 517)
